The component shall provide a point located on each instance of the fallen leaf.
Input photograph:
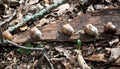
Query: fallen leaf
(33, 1)
(23, 28)
(64, 51)
(115, 53)
(61, 9)
(47, 2)
(96, 57)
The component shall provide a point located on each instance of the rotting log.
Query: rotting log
(51, 31)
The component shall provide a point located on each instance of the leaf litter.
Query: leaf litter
(57, 55)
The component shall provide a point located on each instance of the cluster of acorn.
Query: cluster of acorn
(35, 34)
(67, 29)
(90, 29)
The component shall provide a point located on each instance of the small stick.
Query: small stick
(51, 65)
(23, 47)
(37, 15)
(81, 61)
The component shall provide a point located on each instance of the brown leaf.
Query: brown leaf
(23, 28)
(33, 1)
(96, 57)
(115, 53)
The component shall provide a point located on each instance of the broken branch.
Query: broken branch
(37, 15)
(23, 47)
(81, 60)
(51, 65)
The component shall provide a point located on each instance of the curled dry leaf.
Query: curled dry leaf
(42, 22)
(23, 28)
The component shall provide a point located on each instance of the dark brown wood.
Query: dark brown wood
(51, 31)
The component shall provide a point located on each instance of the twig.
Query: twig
(23, 47)
(1, 36)
(37, 15)
(105, 66)
(51, 65)
(81, 61)
(9, 19)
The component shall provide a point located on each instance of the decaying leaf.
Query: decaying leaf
(42, 22)
(115, 54)
(96, 57)
(64, 51)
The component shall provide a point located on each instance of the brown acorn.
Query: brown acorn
(91, 30)
(7, 35)
(35, 34)
(67, 29)
(110, 28)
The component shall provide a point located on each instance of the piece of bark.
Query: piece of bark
(51, 31)
(22, 37)
(104, 12)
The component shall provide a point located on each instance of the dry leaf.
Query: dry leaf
(33, 1)
(61, 9)
(47, 2)
(42, 22)
(23, 28)
(115, 53)
(96, 57)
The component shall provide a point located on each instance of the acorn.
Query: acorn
(67, 29)
(91, 30)
(35, 34)
(110, 28)
(7, 35)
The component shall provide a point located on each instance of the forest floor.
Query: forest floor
(23, 48)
